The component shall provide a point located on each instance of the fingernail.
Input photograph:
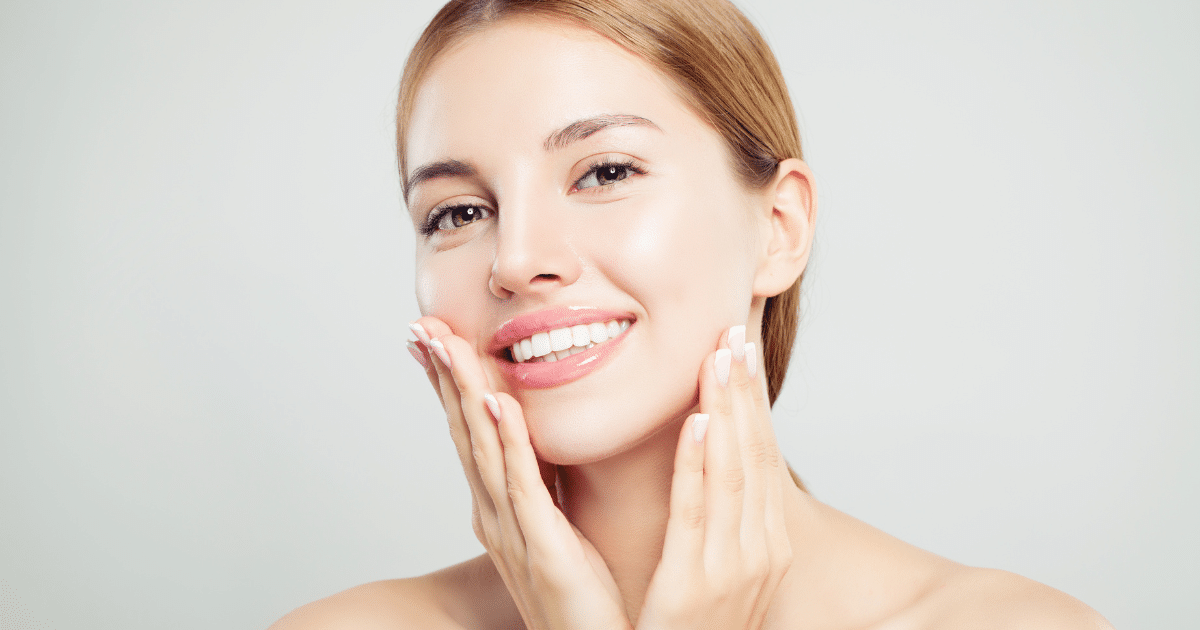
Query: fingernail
(722, 366)
(419, 331)
(751, 359)
(737, 342)
(440, 351)
(699, 427)
(417, 354)
(493, 406)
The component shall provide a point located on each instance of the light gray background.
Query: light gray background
(208, 418)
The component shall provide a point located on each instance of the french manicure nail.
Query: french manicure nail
(440, 351)
(419, 331)
(721, 364)
(751, 358)
(493, 406)
(416, 352)
(737, 342)
(699, 427)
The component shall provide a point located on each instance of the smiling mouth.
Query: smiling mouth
(560, 343)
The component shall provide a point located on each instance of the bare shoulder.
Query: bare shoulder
(999, 600)
(466, 595)
(406, 603)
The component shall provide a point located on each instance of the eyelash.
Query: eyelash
(431, 224)
(595, 168)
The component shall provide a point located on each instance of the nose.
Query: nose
(533, 255)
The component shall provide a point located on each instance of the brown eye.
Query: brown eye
(462, 215)
(457, 216)
(605, 174)
(610, 173)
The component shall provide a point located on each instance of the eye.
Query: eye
(605, 174)
(456, 216)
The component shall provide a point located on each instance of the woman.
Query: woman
(613, 218)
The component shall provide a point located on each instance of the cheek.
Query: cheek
(452, 287)
(679, 250)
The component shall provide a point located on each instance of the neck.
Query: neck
(621, 505)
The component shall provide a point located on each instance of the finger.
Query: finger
(426, 329)
(459, 431)
(472, 386)
(421, 353)
(686, 520)
(772, 470)
(724, 479)
(421, 328)
(549, 540)
(755, 448)
(775, 475)
(765, 549)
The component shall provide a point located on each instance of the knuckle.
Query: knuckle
(734, 480)
(466, 390)
(724, 406)
(477, 524)
(516, 489)
(509, 547)
(693, 517)
(491, 537)
(463, 451)
(478, 453)
(740, 378)
(763, 454)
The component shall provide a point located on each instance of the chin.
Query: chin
(572, 432)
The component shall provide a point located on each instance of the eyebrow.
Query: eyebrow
(581, 129)
(557, 140)
(433, 170)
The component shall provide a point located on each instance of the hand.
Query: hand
(727, 548)
(556, 577)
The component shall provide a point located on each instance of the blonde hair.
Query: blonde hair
(725, 70)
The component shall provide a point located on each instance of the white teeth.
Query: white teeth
(560, 343)
(560, 339)
(540, 343)
(580, 335)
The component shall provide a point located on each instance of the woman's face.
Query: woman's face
(558, 181)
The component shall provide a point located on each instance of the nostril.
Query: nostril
(545, 276)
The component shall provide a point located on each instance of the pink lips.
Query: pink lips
(542, 375)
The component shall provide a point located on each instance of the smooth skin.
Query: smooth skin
(597, 505)
(726, 546)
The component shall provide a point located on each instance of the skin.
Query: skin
(602, 510)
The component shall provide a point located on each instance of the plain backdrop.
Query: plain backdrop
(208, 418)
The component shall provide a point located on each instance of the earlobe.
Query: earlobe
(788, 227)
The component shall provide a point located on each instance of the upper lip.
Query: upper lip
(523, 326)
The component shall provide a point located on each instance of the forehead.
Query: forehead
(518, 80)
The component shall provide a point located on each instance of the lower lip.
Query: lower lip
(541, 375)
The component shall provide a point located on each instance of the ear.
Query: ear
(789, 216)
